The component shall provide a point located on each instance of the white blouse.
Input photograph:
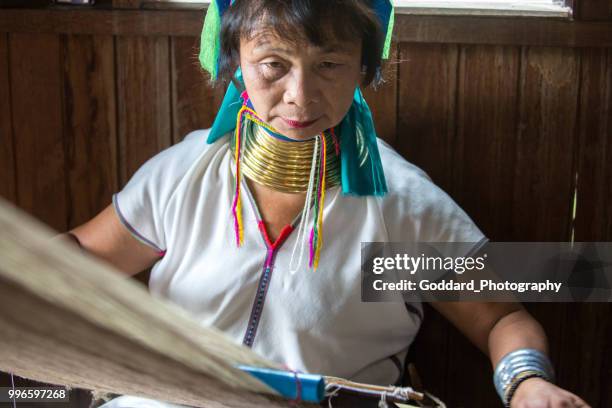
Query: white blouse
(179, 203)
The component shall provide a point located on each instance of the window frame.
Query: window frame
(564, 10)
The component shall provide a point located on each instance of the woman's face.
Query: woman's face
(300, 89)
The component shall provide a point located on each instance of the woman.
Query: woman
(233, 218)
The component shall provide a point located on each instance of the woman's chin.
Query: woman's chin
(301, 133)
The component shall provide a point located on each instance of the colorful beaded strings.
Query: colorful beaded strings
(315, 193)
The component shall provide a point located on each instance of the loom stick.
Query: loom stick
(289, 384)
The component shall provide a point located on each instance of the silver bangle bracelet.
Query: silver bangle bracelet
(520, 361)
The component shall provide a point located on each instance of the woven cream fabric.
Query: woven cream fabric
(69, 319)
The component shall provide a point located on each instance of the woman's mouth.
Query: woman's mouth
(298, 124)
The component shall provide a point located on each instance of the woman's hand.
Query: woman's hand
(499, 328)
(538, 393)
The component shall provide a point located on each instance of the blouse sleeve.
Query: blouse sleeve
(141, 204)
(417, 210)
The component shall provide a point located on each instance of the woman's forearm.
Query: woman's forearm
(516, 330)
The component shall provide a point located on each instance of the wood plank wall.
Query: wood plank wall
(514, 131)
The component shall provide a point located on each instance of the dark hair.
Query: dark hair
(317, 21)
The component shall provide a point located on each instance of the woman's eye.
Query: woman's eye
(272, 70)
(274, 65)
(329, 65)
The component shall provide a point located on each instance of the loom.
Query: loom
(69, 319)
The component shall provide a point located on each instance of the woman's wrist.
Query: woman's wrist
(518, 366)
(515, 383)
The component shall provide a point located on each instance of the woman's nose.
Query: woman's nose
(302, 90)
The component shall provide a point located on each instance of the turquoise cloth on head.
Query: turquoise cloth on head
(361, 168)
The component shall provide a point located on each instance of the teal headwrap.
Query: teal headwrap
(362, 172)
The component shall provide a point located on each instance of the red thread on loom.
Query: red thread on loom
(298, 386)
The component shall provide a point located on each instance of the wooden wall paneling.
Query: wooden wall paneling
(383, 100)
(427, 81)
(143, 95)
(544, 178)
(143, 104)
(593, 212)
(38, 129)
(7, 160)
(483, 170)
(88, 20)
(194, 100)
(588, 327)
(503, 31)
(606, 372)
(126, 4)
(544, 184)
(594, 10)
(485, 145)
(408, 28)
(90, 124)
(584, 365)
